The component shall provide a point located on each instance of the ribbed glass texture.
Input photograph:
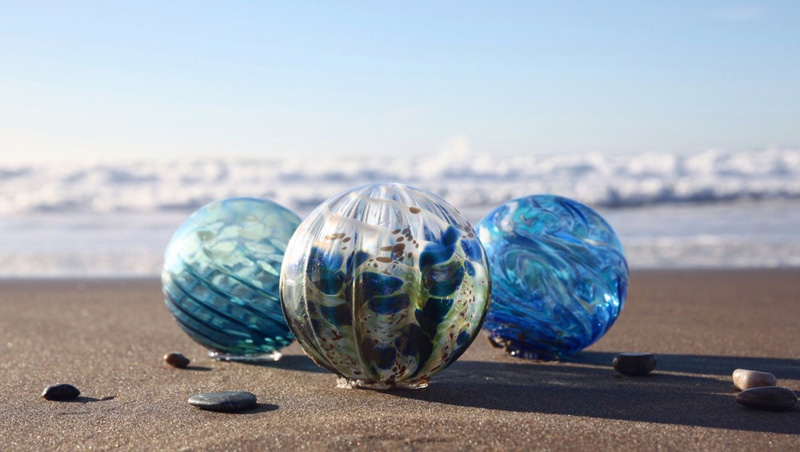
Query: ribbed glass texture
(221, 274)
(385, 285)
(559, 273)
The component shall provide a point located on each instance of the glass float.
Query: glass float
(385, 285)
(221, 275)
(559, 273)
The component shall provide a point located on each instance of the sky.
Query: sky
(147, 79)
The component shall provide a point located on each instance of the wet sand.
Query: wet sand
(107, 337)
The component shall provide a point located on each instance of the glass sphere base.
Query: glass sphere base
(254, 358)
(520, 350)
(347, 383)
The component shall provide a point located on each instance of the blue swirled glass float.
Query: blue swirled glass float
(221, 274)
(385, 285)
(559, 274)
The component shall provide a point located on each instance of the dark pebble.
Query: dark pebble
(773, 398)
(176, 359)
(60, 391)
(635, 364)
(227, 401)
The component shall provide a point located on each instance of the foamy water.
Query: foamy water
(714, 209)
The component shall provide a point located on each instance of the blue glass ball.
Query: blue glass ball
(559, 276)
(221, 275)
(385, 285)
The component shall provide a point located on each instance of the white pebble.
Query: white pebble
(746, 379)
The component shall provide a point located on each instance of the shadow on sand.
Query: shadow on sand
(704, 364)
(299, 363)
(588, 386)
(258, 409)
(84, 399)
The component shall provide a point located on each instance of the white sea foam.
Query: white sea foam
(466, 180)
(711, 209)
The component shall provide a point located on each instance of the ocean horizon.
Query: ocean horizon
(714, 209)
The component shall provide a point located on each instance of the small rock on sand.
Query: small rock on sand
(228, 401)
(176, 359)
(61, 391)
(773, 398)
(635, 364)
(747, 379)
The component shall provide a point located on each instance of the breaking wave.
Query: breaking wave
(467, 180)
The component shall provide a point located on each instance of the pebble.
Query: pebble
(747, 379)
(228, 401)
(634, 364)
(61, 391)
(773, 398)
(176, 359)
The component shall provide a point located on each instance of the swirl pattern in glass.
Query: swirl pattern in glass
(385, 285)
(221, 274)
(559, 273)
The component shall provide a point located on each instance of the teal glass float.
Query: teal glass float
(385, 285)
(559, 273)
(221, 274)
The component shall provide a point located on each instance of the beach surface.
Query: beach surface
(107, 337)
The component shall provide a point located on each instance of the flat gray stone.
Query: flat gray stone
(61, 391)
(747, 379)
(227, 401)
(773, 398)
(635, 364)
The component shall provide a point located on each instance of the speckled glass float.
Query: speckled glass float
(559, 273)
(385, 285)
(221, 275)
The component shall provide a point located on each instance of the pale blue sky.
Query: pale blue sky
(269, 79)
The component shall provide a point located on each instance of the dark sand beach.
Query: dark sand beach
(107, 337)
